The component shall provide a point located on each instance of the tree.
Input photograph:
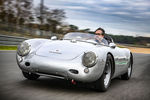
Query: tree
(16, 11)
(73, 28)
(87, 30)
(23, 11)
(49, 17)
(55, 18)
(2, 11)
(41, 16)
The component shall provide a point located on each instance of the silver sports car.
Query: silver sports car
(77, 57)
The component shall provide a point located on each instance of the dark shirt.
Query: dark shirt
(108, 38)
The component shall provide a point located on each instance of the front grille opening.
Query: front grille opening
(74, 71)
(57, 75)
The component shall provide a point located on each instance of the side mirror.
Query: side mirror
(112, 45)
(54, 38)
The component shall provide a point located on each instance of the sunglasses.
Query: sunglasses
(98, 34)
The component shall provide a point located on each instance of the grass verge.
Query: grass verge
(8, 47)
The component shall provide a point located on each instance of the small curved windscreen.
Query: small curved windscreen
(87, 37)
(79, 36)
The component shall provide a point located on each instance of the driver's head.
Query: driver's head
(100, 32)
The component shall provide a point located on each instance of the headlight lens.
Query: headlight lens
(23, 49)
(89, 59)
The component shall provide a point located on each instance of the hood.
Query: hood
(63, 49)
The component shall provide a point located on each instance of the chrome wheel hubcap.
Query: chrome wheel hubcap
(107, 74)
(129, 70)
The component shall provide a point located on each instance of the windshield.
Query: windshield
(79, 36)
(87, 37)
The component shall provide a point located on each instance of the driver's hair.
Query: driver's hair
(101, 30)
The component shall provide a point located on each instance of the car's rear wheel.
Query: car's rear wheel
(103, 83)
(30, 76)
(127, 75)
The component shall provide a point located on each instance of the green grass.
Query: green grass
(121, 46)
(8, 47)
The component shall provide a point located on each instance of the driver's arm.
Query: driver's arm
(97, 39)
(104, 41)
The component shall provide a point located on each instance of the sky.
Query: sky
(119, 17)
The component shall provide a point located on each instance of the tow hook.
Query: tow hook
(73, 82)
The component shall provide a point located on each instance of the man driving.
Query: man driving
(100, 36)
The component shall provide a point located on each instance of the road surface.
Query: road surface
(13, 86)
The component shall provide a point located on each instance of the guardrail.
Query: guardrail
(11, 40)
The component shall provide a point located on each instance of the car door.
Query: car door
(120, 60)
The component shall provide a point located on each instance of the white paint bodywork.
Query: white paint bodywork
(56, 57)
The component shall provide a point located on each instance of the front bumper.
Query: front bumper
(65, 69)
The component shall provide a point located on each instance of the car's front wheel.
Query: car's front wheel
(30, 76)
(102, 84)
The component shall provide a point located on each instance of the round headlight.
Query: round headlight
(23, 49)
(89, 59)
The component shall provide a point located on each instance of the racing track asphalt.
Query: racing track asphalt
(13, 86)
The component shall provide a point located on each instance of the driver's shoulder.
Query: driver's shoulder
(108, 38)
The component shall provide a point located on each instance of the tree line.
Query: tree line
(24, 13)
(131, 40)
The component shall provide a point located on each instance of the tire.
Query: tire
(127, 75)
(103, 83)
(30, 76)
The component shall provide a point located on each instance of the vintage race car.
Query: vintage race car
(76, 57)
